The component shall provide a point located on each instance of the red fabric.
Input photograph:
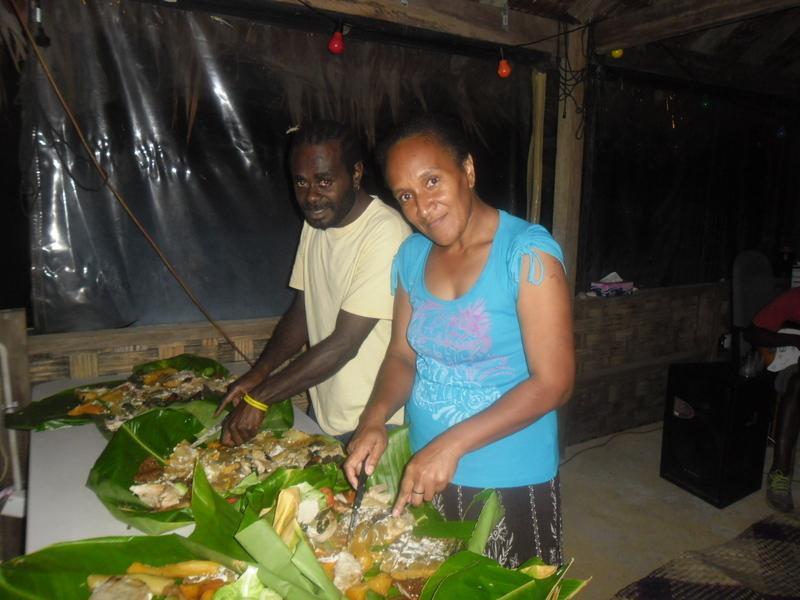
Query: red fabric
(785, 307)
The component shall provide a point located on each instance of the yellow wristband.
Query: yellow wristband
(254, 403)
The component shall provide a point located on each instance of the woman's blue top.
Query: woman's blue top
(470, 352)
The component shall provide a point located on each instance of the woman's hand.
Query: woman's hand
(427, 473)
(365, 449)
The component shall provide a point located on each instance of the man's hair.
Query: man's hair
(440, 128)
(324, 131)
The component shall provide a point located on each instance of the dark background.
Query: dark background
(680, 178)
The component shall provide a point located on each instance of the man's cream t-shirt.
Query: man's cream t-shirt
(349, 268)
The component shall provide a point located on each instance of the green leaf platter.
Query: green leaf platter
(53, 412)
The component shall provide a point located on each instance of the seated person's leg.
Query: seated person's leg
(779, 478)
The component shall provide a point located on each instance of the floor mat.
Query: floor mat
(761, 563)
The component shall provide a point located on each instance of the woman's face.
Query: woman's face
(435, 193)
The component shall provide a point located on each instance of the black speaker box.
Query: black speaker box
(715, 431)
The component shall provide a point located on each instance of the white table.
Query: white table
(59, 505)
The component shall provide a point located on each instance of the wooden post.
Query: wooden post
(569, 162)
(535, 169)
(13, 336)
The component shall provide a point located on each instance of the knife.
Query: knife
(362, 481)
(207, 435)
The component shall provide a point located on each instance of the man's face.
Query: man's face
(322, 184)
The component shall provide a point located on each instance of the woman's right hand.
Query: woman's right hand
(245, 384)
(365, 450)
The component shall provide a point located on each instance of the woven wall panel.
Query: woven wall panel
(624, 347)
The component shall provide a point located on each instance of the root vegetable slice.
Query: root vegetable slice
(357, 592)
(189, 568)
(87, 409)
(155, 376)
(286, 513)
(380, 583)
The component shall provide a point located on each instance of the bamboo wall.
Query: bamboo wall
(623, 346)
(89, 354)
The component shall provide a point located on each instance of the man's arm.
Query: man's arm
(286, 340)
(314, 366)
(289, 335)
(759, 336)
(319, 362)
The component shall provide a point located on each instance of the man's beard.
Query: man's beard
(341, 210)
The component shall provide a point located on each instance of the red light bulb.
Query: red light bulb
(336, 43)
(503, 68)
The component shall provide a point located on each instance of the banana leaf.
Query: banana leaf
(471, 575)
(475, 534)
(389, 469)
(154, 433)
(295, 574)
(217, 523)
(60, 571)
(216, 520)
(264, 494)
(52, 412)
(200, 365)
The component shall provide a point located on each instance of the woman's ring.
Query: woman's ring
(416, 492)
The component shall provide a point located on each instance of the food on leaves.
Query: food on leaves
(168, 486)
(381, 551)
(145, 391)
(189, 580)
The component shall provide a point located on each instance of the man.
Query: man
(783, 311)
(343, 305)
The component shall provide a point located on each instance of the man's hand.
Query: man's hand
(241, 425)
(426, 474)
(239, 388)
(365, 448)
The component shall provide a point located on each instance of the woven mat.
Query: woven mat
(762, 562)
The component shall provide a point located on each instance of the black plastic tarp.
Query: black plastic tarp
(188, 113)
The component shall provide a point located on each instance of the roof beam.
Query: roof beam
(586, 10)
(699, 68)
(461, 18)
(708, 41)
(769, 41)
(670, 18)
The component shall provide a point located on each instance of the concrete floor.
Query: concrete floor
(621, 520)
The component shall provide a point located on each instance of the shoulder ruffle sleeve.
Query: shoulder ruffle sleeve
(406, 260)
(529, 242)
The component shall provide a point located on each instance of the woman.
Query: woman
(481, 352)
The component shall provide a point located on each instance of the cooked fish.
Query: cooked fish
(379, 540)
(226, 468)
(144, 392)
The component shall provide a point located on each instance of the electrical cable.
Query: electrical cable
(606, 442)
(117, 195)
